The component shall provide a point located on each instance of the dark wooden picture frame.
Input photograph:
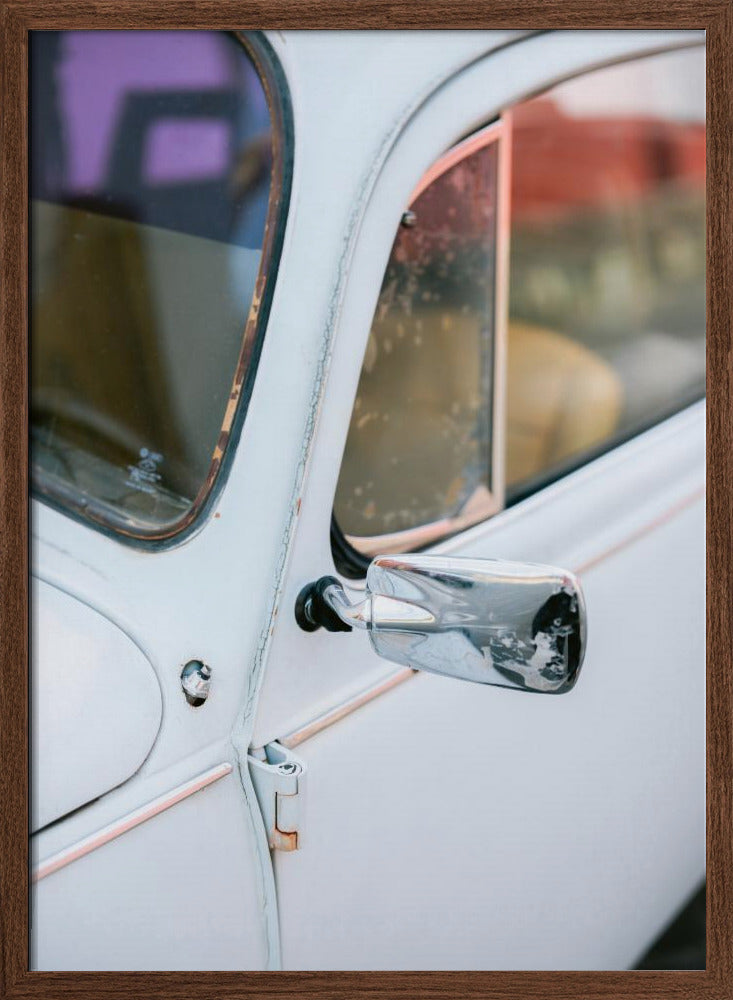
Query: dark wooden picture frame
(18, 17)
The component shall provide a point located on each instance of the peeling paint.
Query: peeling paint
(245, 721)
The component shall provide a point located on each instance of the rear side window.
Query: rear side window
(483, 383)
(156, 162)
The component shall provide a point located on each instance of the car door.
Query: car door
(445, 824)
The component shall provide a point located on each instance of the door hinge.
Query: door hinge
(279, 776)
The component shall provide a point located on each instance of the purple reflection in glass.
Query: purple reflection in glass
(165, 128)
(100, 68)
(185, 150)
(151, 164)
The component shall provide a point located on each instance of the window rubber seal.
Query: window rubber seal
(82, 508)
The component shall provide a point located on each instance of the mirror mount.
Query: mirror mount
(324, 604)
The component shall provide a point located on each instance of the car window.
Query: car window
(603, 318)
(418, 461)
(155, 163)
(606, 330)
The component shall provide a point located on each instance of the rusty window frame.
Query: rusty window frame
(63, 497)
(351, 554)
(352, 563)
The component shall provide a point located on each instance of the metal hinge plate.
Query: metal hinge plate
(279, 776)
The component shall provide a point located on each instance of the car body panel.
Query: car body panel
(226, 594)
(94, 700)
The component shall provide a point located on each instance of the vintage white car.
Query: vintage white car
(393, 333)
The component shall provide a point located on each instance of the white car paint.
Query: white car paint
(446, 825)
(176, 892)
(548, 833)
(94, 700)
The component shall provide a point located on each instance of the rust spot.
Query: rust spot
(283, 840)
(217, 514)
(297, 506)
(249, 333)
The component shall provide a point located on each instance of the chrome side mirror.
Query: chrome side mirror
(510, 624)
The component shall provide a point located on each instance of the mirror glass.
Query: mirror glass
(510, 624)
